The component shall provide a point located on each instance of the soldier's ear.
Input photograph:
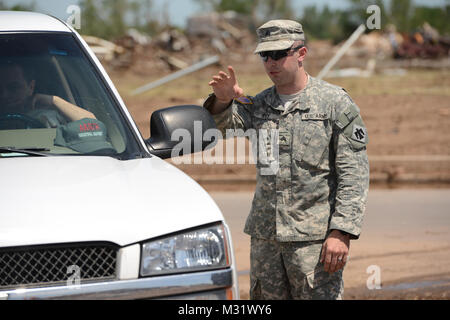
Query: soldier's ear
(302, 52)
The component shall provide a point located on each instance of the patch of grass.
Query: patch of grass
(194, 87)
(414, 82)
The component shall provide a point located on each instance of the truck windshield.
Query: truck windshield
(53, 99)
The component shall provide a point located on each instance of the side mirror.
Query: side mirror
(180, 130)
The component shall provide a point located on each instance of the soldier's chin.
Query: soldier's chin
(273, 78)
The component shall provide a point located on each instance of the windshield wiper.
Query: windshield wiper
(28, 151)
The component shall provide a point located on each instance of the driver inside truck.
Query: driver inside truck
(21, 107)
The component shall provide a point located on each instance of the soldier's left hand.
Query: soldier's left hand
(335, 251)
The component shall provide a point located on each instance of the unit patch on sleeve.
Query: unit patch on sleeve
(244, 100)
(359, 133)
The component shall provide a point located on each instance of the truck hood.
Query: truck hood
(76, 199)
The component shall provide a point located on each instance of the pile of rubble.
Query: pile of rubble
(390, 51)
(425, 43)
(205, 35)
(228, 35)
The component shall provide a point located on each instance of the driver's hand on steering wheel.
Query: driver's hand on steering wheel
(69, 110)
(40, 100)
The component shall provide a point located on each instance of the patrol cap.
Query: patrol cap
(85, 136)
(278, 35)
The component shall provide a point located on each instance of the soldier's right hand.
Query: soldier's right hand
(226, 87)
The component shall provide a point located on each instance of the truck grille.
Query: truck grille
(57, 265)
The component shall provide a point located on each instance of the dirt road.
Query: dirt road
(405, 244)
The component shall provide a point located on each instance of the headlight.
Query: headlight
(200, 249)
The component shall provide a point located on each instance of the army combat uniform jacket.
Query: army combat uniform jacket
(322, 172)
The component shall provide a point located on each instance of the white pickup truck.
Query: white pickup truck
(89, 210)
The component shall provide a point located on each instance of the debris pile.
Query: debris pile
(425, 43)
(103, 49)
(205, 35)
(229, 35)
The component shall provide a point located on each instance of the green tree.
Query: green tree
(240, 6)
(358, 11)
(311, 22)
(141, 12)
(110, 19)
(276, 9)
(401, 12)
(258, 10)
(18, 7)
(115, 11)
(91, 22)
(437, 17)
(136, 10)
(327, 24)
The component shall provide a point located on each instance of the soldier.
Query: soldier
(304, 214)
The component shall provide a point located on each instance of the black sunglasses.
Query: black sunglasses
(277, 54)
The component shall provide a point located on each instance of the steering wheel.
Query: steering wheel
(29, 122)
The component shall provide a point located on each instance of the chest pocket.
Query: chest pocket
(266, 125)
(264, 120)
(312, 138)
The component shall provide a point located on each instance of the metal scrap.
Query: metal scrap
(202, 64)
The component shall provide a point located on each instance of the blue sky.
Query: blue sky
(180, 10)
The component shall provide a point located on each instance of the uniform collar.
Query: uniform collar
(302, 102)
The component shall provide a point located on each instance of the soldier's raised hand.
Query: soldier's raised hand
(226, 87)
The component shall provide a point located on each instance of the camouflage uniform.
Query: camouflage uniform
(321, 183)
(291, 270)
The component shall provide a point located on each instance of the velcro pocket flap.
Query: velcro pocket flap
(347, 117)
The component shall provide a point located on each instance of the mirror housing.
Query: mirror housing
(180, 130)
